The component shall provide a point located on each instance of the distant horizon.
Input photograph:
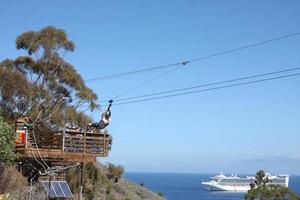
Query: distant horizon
(238, 174)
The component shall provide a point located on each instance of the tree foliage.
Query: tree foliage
(271, 192)
(263, 191)
(43, 79)
(114, 172)
(7, 143)
(261, 178)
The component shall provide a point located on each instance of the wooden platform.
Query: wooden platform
(64, 145)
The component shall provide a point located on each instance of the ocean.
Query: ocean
(188, 186)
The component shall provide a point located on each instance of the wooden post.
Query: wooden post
(63, 141)
(84, 143)
(104, 145)
(81, 181)
(64, 132)
(26, 138)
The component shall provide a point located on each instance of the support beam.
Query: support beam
(81, 181)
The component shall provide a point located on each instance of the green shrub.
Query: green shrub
(7, 143)
(160, 194)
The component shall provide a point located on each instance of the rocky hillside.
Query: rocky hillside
(99, 186)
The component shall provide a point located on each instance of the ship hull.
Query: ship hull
(215, 187)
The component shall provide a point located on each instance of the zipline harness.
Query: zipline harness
(105, 118)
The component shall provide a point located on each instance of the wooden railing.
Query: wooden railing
(68, 145)
(86, 143)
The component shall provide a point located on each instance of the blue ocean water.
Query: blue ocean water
(188, 186)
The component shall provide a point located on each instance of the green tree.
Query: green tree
(43, 79)
(261, 178)
(271, 192)
(263, 191)
(7, 143)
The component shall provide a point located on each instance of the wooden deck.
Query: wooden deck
(67, 145)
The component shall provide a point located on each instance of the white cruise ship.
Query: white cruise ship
(240, 184)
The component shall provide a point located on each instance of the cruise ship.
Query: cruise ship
(240, 184)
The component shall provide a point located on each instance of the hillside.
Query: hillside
(98, 186)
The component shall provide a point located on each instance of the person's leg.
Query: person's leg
(103, 124)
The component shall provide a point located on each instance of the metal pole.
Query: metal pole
(30, 189)
(81, 181)
(49, 187)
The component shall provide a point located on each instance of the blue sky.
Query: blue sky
(235, 130)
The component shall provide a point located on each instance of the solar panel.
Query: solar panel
(46, 186)
(66, 189)
(57, 188)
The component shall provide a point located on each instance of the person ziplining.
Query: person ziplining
(105, 118)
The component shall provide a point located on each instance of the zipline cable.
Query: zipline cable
(195, 59)
(208, 84)
(146, 82)
(133, 72)
(209, 89)
(205, 85)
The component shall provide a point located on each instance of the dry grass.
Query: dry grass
(99, 186)
(12, 182)
(14, 186)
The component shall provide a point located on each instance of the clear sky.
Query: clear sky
(235, 130)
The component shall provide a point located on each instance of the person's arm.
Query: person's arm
(110, 103)
(108, 114)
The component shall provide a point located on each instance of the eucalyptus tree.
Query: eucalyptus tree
(42, 80)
